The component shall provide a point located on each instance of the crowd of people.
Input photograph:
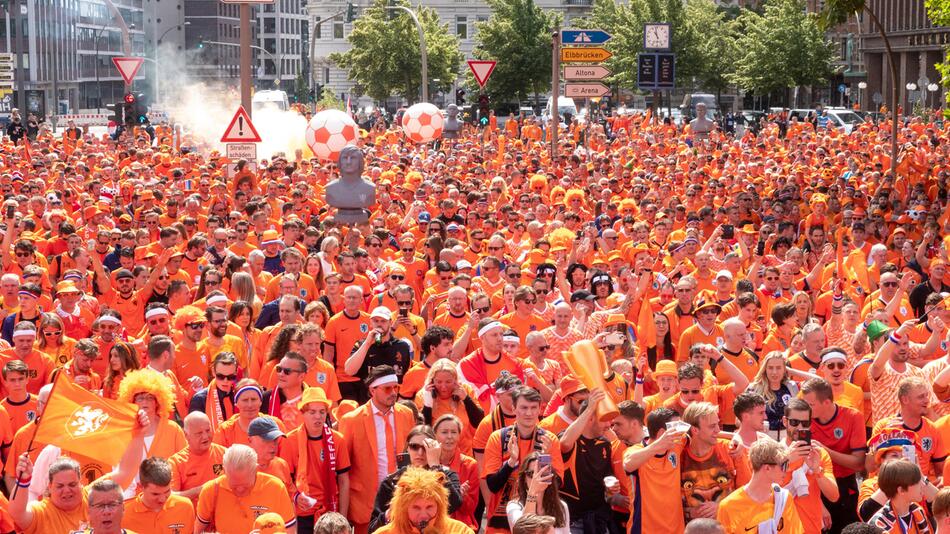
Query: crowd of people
(771, 312)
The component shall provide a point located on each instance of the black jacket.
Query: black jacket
(388, 486)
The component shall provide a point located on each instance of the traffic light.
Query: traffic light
(317, 92)
(459, 97)
(141, 109)
(350, 12)
(117, 114)
(483, 108)
(128, 108)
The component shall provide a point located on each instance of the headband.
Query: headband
(489, 327)
(836, 355)
(24, 293)
(109, 319)
(511, 339)
(253, 388)
(72, 276)
(214, 299)
(155, 312)
(601, 278)
(25, 332)
(383, 380)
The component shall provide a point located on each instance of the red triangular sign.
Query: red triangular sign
(128, 67)
(241, 130)
(482, 70)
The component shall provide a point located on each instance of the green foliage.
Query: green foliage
(939, 13)
(782, 48)
(384, 54)
(301, 89)
(328, 100)
(517, 36)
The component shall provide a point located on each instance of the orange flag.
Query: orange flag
(81, 422)
(646, 336)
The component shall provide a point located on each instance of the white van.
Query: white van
(268, 99)
(565, 106)
(841, 118)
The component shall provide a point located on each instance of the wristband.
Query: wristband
(894, 338)
(638, 381)
(23, 482)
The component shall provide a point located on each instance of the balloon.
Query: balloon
(422, 122)
(329, 131)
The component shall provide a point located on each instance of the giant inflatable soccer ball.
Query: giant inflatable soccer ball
(329, 131)
(422, 123)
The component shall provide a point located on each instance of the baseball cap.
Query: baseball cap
(382, 312)
(725, 273)
(123, 273)
(581, 294)
(264, 427)
(425, 217)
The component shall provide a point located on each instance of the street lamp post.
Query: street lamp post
(98, 86)
(861, 87)
(158, 43)
(933, 88)
(911, 86)
(422, 51)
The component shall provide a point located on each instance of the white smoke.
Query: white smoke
(204, 108)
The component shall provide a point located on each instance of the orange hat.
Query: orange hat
(270, 237)
(569, 386)
(188, 314)
(146, 195)
(617, 318)
(314, 395)
(665, 368)
(67, 287)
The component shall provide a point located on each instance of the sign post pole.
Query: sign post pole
(245, 58)
(555, 89)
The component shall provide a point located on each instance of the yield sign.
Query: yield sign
(128, 67)
(482, 70)
(241, 130)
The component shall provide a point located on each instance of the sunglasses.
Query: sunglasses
(195, 326)
(286, 370)
(544, 348)
(483, 310)
(397, 277)
(416, 447)
(408, 250)
(50, 333)
(405, 303)
(222, 377)
(888, 284)
(804, 423)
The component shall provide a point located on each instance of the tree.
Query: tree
(624, 22)
(328, 100)
(384, 54)
(939, 13)
(837, 12)
(714, 36)
(301, 91)
(518, 37)
(782, 48)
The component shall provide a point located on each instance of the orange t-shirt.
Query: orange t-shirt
(317, 458)
(190, 470)
(343, 333)
(237, 514)
(176, 516)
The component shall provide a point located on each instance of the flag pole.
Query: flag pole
(39, 421)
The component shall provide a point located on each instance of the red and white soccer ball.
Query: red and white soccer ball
(329, 131)
(422, 123)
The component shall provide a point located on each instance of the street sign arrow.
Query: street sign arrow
(128, 67)
(591, 37)
(586, 90)
(482, 70)
(241, 130)
(584, 54)
(593, 72)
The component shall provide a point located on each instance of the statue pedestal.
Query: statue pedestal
(351, 216)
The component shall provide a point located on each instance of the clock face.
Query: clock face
(656, 36)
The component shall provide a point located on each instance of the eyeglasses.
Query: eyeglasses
(397, 277)
(375, 245)
(416, 447)
(514, 275)
(835, 366)
(229, 378)
(483, 310)
(287, 370)
(888, 284)
(408, 250)
(195, 326)
(404, 304)
(531, 301)
(544, 348)
(53, 333)
(690, 391)
(23, 254)
(804, 423)
(210, 282)
(114, 505)
(104, 244)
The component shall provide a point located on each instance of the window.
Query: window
(461, 26)
(338, 29)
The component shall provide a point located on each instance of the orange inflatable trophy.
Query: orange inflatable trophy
(589, 364)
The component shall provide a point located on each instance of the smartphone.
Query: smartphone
(402, 460)
(404, 312)
(760, 248)
(728, 231)
(804, 435)
(11, 211)
(543, 460)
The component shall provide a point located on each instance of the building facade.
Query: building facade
(917, 45)
(462, 16)
(285, 36)
(212, 40)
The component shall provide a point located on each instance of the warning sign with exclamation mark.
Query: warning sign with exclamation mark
(241, 129)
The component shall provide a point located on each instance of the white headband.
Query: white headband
(836, 355)
(488, 327)
(109, 319)
(155, 312)
(24, 333)
(511, 339)
(213, 299)
(383, 380)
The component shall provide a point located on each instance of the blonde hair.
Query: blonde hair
(697, 410)
(239, 457)
(415, 484)
(444, 365)
(766, 451)
(760, 384)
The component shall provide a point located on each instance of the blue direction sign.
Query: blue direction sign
(584, 37)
